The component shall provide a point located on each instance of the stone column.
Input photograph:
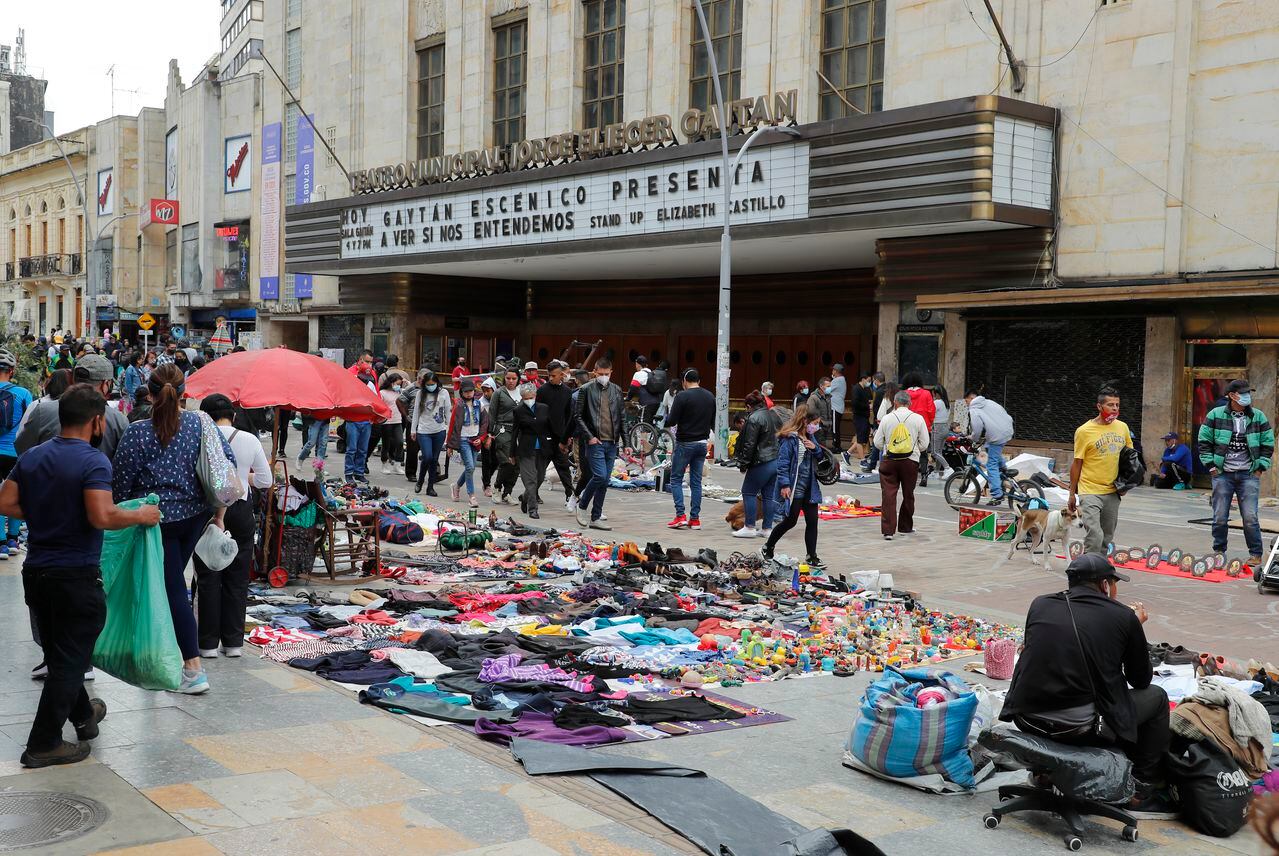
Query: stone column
(954, 362)
(1263, 369)
(886, 359)
(1159, 389)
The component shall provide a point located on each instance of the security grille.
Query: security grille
(343, 331)
(1047, 373)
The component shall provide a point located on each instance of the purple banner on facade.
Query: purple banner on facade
(305, 164)
(269, 281)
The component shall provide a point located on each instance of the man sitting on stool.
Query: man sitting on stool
(1176, 468)
(1093, 657)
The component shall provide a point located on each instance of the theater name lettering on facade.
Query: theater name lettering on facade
(745, 114)
(769, 185)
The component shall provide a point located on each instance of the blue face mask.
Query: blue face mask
(1245, 399)
(432, 387)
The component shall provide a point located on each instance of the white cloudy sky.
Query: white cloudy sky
(72, 43)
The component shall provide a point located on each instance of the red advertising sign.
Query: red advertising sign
(159, 212)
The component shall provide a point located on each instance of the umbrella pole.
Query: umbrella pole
(275, 435)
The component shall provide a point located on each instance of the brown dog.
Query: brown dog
(1047, 527)
(736, 516)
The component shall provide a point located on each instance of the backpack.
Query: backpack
(901, 443)
(10, 413)
(658, 382)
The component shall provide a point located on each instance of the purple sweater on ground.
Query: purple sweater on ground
(541, 726)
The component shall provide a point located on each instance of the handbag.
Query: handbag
(216, 472)
(1083, 722)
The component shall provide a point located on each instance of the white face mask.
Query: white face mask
(602, 380)
(531, 402)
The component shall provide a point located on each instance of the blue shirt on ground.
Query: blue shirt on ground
(21, 401)
(51, 480)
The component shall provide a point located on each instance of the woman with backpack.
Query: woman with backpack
(901, 436)
(800, 493)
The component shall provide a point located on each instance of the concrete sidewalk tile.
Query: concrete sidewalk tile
(376, 735)
(286, 681)
(523, 847)
(305, 836)
(180, 847)
(255, 751)
(364, 781)
(566, 811)
(164, 761)
(450, 769)
(486, 817)
(269, 797)
(393, 829)
(848, 807)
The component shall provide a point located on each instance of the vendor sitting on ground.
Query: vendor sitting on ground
(1177, 465)
(1093, 656)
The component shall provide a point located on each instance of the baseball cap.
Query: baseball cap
(530, 365)
(1238, 386)
(94, 367)
(1091, 567)
(1171, 435)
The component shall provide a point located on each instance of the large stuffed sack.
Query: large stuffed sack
(1213, 791)
(894, 737)
(137, 644)
(394, 527)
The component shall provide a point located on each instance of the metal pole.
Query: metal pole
(722, 361)
(84, 208)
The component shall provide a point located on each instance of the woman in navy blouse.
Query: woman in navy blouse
(159, 455)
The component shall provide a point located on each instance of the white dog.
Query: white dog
(1047, 527)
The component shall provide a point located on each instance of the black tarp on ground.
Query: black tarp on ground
(715, 817)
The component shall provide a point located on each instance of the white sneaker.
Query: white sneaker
(475, 503)
(570, 505)
(583, 516)
(764, 533)
(457, 493)
(745, 532)
(386, 468)
(211, 653)
(397, 468)
(603, 516)
(88, 676)
(193, 684)
(232, 652)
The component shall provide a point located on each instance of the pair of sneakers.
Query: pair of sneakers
(67, 752)
(212, 653)
(682, 521)
(9, 548)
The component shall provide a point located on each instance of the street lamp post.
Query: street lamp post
(90, 295)
(723, 360)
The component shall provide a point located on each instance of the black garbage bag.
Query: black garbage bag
(1214, 793)
(1087, 772)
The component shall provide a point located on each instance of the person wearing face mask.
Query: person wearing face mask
(69, 483)
(801, 395)
(502, 427)
(42, 424)
(393, 428)
(598, 417)
(533, 445)
(432, 411)
(1084, 649)
(18, 400)
(797, 487)
(488, 461)
(819, 405)
(468, 430)
(558, 399)
(1236, 444)
(1098, 444)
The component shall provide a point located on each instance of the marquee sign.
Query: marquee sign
(745, 114)
(770, 184)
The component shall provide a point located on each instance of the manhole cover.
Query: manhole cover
(31, 819)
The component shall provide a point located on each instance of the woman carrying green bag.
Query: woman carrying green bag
(69, 482)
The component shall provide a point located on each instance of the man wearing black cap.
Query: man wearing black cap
(1236, 444)
(1083, 646)
(1176, 468)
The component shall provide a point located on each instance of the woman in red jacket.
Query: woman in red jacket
(921, 402)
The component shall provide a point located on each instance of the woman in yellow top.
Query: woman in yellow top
(1098, 444)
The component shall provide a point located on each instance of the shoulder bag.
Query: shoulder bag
(1081, 723)
(216, 472)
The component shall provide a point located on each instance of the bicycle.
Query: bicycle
(645, 439)
(967, 485)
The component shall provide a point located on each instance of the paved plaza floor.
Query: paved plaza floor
(273, 761)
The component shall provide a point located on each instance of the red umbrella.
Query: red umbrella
(278, 377)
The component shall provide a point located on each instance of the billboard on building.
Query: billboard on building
(305, 166)
(171, 164)
(269, 208)
(106, 192)
(238, 165)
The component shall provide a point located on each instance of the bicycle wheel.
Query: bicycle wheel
(962, 490)
(1025, 491)
(663, 449)
(643, 438)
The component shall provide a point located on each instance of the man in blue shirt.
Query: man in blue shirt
(69, 482)
(1177, 466)
(14, 401)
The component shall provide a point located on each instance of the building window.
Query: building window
(430, 101)
(290, 287)
(510, 55)
(852, 64)
(293, 77)
(171, 258)
(603, 63)
(724, 19)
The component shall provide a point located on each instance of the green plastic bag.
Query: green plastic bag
(138, 644)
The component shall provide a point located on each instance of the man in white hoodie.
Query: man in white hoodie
(988, 421)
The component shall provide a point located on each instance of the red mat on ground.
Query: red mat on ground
(847, 512)
(1169, 569)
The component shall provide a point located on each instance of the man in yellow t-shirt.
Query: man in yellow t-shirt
(1098, 443)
